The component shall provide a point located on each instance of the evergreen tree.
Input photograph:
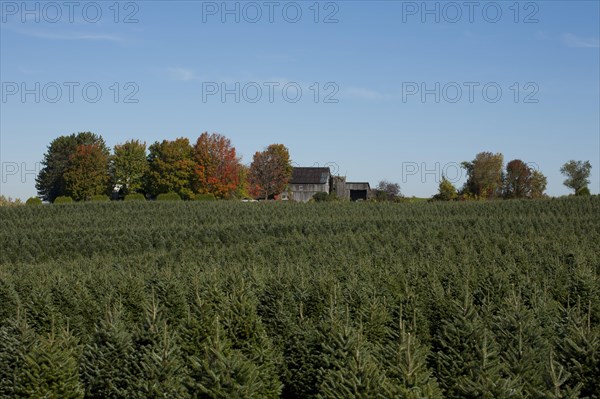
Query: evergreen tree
(578, 347)
(348, 367)
(302, 354)
(16, 339)
(50, 369)
(221, 372)
(406, 363)
(522, 345)
(556, 379)
(467, 358)
(106, 361)
(247, 334)
(158, 369)
(350, 370)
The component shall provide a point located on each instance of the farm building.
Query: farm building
(306, 182)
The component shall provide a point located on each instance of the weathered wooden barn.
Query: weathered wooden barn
(306, 182)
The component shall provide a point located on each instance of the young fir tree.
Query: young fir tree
(15, 340)
(556, 378)
(348, 367)
(467, 359)
(9, 300)
(351, 370)
(158, 368)
(522, 346)
(578, 349)
(245, 330)
(221, 372)
(406, 363)
(51, 368)
(105, 366)
(302, 354)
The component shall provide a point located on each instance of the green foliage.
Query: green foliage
(63, 200)
(87, 172)
(538, 183)
(583, 191)
(484, 175)
(106, 362)
(135, 197)
(467, 360)
(171, 196)
(349, 370)
(446, 191)
(387, 191)
(577, 173)
(172, 299)
(324, 197)
(50, 369)
(52, 181)
(170, 168)
(100, 198)
(33, 201)
(129, 166)
(204, 197)
(407, 366)
(219, 371)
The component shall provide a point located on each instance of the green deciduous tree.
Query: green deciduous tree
(517, 181)
(87, 173)
(129, 166)
(484, 175)
(538, 184)
(171, 168)
(446, 191)
(387, 191)
(50, 182)
(578, 175)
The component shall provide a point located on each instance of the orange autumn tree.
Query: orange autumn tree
(217, 167)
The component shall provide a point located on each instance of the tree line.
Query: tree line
(81, 166)
(488, 179)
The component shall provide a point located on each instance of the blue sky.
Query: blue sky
(370, 61)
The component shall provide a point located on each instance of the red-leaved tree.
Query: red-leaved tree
(270, 171)
(217, 168)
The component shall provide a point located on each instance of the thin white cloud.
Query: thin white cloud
(365, 94)
(183, 74)
(41, 34)
(572, 40)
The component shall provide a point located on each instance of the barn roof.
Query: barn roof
(310, 175)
